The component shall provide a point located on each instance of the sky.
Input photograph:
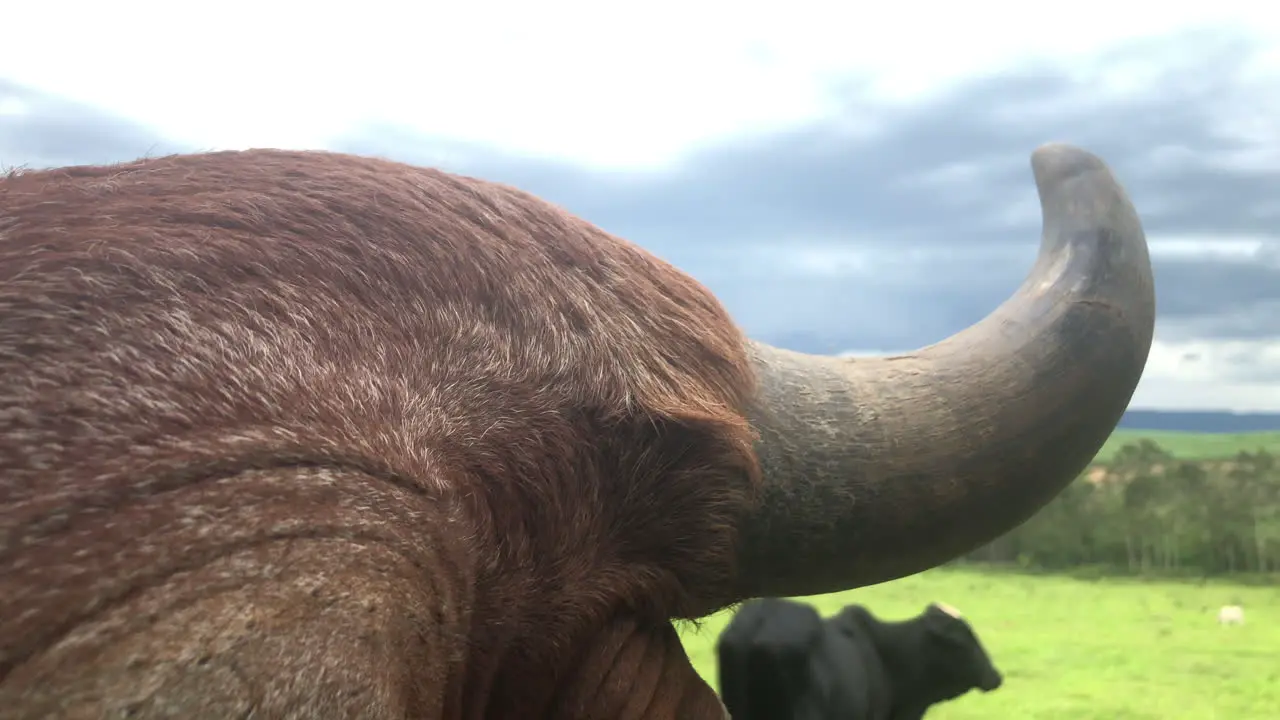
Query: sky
(845, 178)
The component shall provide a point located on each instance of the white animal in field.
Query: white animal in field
(1231, 615)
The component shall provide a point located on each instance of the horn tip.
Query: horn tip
(1057, 161)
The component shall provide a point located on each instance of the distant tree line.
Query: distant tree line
(1148, 512)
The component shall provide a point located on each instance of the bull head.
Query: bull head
(332, 436)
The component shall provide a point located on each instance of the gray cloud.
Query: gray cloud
(44, 130)
(928, 210)
(949, 177)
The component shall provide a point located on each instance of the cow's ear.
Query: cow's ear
(945, 609)
(933, 618)
(853, 620)
(938, 620)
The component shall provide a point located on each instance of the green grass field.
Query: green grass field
(1082, 650)
(1195, 446)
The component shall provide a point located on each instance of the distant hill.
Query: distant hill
(1200, 421)
(1197, 434)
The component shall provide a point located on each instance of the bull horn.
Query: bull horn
(878, 468)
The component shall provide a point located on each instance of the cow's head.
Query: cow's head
(957, 657)
(877, 468)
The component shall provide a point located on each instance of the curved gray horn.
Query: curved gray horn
(877, 468)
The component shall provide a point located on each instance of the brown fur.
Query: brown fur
(308, 435)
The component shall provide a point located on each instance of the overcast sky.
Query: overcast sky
(844, 177)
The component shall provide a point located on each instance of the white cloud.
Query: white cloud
(1184, 372)
(635, 85)
(13, 106)
(1223, 248)
(881, 256)
(854, 257)
(1211, 375)
(602, 83)
(1196, 375)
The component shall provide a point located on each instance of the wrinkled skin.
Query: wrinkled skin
(306, 435)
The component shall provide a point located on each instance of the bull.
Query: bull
(779, 661)
(294, 434)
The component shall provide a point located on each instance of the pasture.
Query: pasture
(1194, 446)
(1071, 649)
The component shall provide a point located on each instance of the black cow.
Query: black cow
(780, 661)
